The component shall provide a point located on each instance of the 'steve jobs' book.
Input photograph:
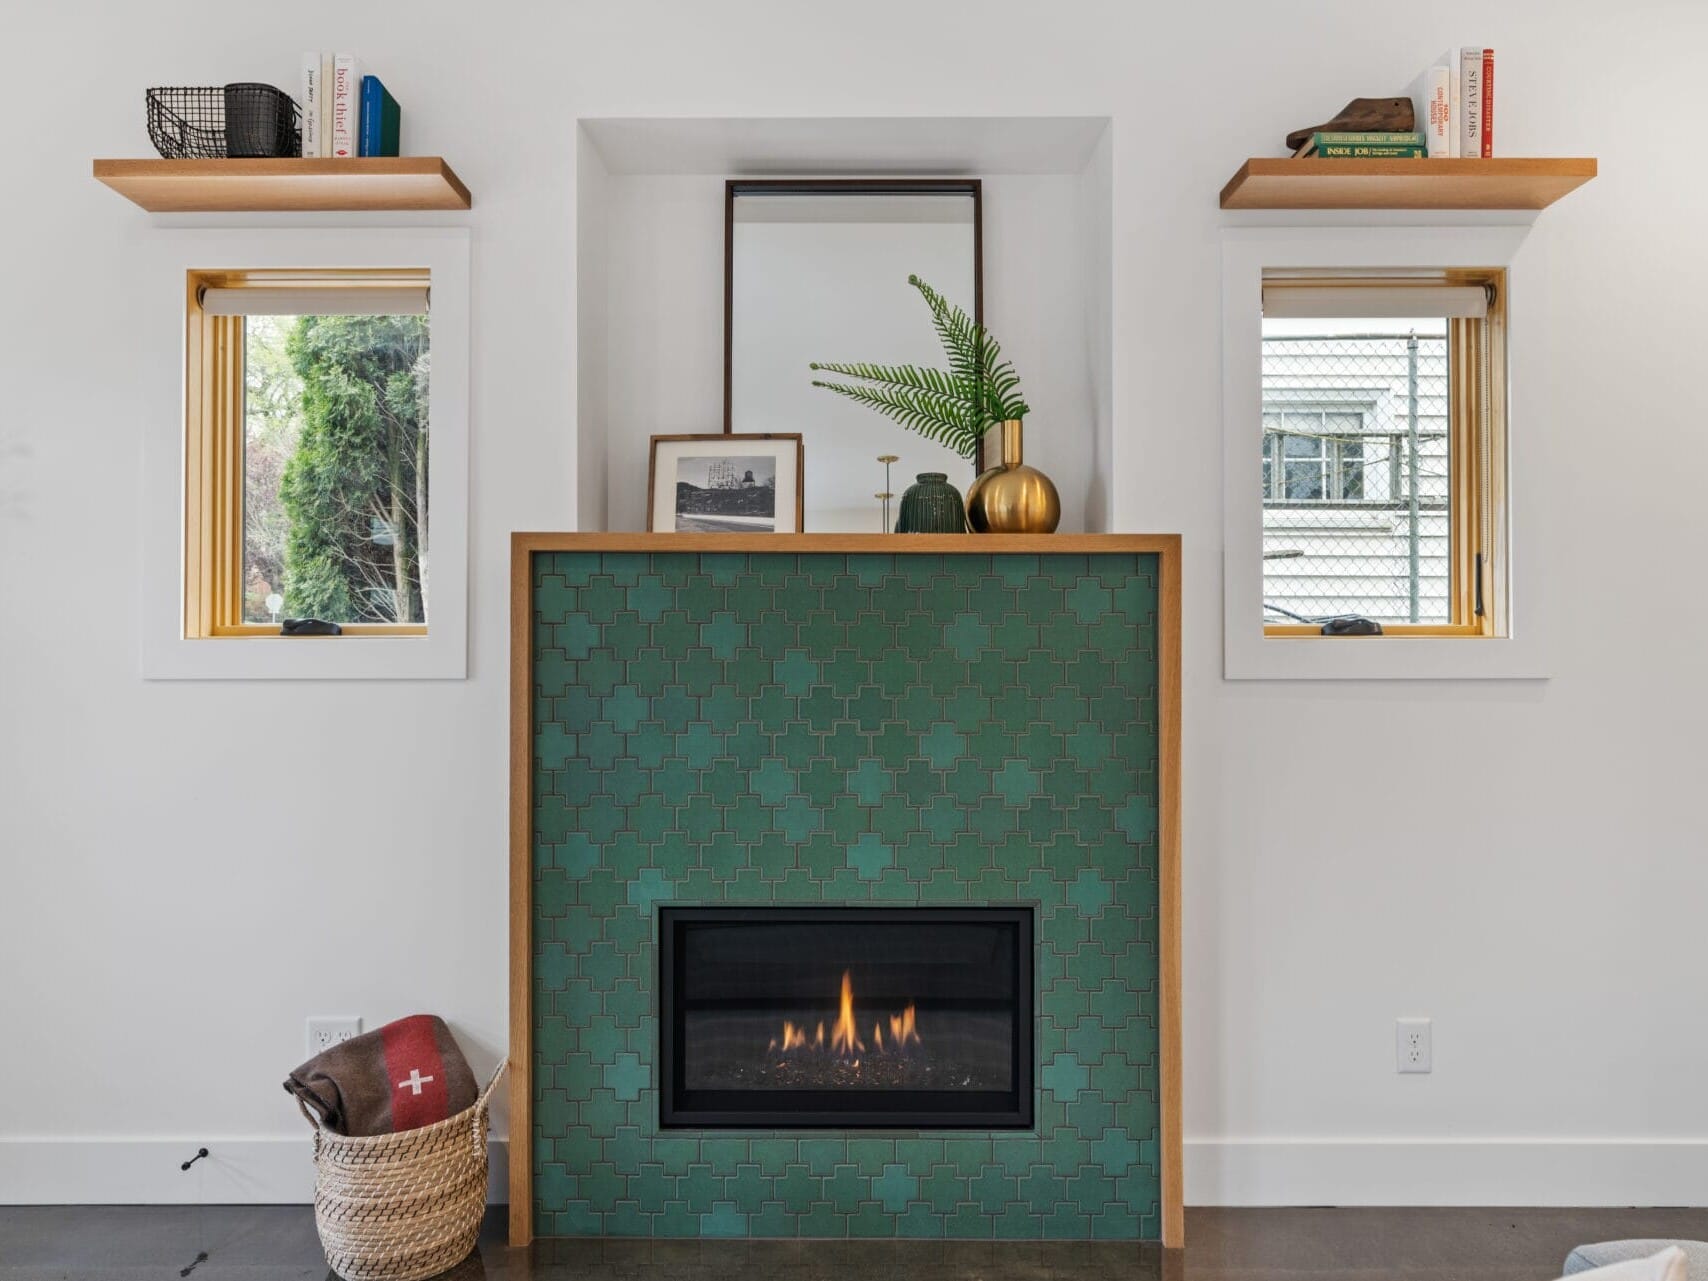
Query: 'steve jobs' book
(381, 120)
(1476, 95)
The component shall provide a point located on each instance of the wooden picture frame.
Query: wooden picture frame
(523, 548)
(788, 474)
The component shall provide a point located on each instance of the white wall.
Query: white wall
(191, 869)
(659, 357)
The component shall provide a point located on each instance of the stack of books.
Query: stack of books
(1455, 103)
(345, 113)
(1363, 146)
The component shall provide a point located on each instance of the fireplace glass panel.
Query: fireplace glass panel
(824, 1016)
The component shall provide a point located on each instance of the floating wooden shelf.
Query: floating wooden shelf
(232, 186)
(1316, 183)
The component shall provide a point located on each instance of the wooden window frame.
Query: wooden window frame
(1476, 394)
(214, 387)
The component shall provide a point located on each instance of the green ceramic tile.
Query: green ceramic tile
(779, 728)
(943, 1189)
(846, 1188)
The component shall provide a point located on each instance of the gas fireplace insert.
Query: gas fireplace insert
(909, 1017)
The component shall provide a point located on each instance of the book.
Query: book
(310, 104)
(1355, 151)
(1471, 101)
(325, 134)
(1335, 138)
(346, 104)
(1488, 103)
(381, 120)
(1432, 97)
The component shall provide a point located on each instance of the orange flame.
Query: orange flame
(844, 1039)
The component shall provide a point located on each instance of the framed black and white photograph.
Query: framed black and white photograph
(725, 484)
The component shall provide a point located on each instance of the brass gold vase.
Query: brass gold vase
(1013, 498)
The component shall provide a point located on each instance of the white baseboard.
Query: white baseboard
(1569, 1172)
(250, 1171)
(1508, 1172)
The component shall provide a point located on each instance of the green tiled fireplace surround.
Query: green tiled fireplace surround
(778, 727)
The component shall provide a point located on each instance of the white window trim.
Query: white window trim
(442, 654)
(1248, 654)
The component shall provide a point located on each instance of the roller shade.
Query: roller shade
(1313, 301)
(389, 300)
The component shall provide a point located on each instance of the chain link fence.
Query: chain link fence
(1356, 474)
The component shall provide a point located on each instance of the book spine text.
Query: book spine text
(1333, 150)
(311, 104)
(1471, 99)
(346, 105)
(1488, 103)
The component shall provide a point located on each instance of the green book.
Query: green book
(1334, 139)
(1369, 153)
(380, 119)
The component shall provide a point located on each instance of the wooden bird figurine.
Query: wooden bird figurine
(1362, 115)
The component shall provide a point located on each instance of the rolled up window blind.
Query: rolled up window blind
(1315, 301)
(262, 300)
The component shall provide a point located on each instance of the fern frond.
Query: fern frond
(956, 407)
(935, 417)
(960, 337)
(931, 380)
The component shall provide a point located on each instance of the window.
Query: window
(1381, 440)
(307, 446)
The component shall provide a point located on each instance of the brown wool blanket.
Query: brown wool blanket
(399, 1077)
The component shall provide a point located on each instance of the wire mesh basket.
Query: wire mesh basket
(213, 123)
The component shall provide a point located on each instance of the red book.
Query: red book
(1488, 103)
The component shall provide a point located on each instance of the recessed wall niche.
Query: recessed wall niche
(650, 287)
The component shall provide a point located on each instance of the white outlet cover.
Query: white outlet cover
(1413, 1051)
(325, 1031)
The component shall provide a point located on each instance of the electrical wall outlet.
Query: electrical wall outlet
(325, 1032)
(1411, 1045)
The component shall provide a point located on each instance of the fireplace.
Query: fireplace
(908, 1017)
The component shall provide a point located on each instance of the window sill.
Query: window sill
(1350, 658)
(425, 657)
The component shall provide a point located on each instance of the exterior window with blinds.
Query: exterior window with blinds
(1381, 461)
(307, 447)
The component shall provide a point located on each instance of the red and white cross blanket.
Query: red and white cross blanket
(399, 1077)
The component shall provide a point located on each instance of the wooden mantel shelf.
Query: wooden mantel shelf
(242, 186)
(1315, 183)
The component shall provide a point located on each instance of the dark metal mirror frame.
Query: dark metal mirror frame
(840, 187)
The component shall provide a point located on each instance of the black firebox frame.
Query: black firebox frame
(682, 1108)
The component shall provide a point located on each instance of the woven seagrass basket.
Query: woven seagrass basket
(399, 1207)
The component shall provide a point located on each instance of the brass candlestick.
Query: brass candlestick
(886, 494)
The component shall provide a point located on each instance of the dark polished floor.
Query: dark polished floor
(273, 1243)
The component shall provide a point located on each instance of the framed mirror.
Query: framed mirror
(817, 270)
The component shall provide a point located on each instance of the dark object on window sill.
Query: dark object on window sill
(1362, 115)
(310, 627)
(214, 122)
(1352, 626)
(200, 1153)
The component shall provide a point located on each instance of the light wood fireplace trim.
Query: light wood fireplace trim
(1165, 547)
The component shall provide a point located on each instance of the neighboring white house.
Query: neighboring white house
(1345, 405)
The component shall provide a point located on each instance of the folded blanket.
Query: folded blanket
(399, 1077)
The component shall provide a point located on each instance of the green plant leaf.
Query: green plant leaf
(935, 417)
(956, 407)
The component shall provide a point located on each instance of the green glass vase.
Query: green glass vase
(932, 505)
